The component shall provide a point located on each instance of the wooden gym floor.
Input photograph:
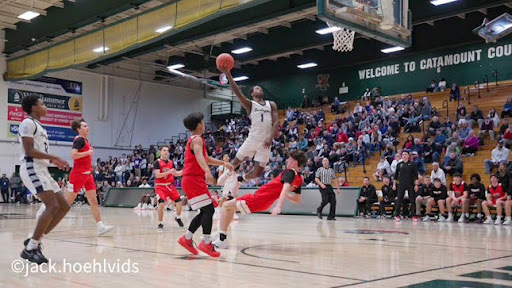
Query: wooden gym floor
(266, 251)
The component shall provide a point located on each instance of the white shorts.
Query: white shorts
(254, 148)
(37, 178)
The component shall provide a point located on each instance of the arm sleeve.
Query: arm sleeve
(27, 128)
(156, 165)
(79, 143)
(288, 177)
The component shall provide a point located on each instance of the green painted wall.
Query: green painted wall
(463, 65)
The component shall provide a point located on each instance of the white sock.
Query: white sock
(206, 239)
(99, 223)
(467, 215)
(450, 215)
(189, 235)
(178, 216)
(508, 218)
(498, 218)
(32, 244)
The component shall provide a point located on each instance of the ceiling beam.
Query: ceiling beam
(483, 11)
(51, 3)
(8, 25)
(12, 17)
(462, 16)
(286, 24)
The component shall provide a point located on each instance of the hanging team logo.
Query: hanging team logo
(323, 81)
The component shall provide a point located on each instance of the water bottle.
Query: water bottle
(374, 214)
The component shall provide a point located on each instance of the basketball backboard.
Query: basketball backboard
(493, 30)
(388, 21)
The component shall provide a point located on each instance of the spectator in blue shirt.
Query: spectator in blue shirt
(507, 108)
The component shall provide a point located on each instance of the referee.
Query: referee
(324, 176)
(407, 178)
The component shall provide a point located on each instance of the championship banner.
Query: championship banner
(62, 110)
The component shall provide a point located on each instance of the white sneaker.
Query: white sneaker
(488, 221)
(221, 244)
(507, 222)
(461, 219)
(235, 217)
(139, 207)
(426, 218)
(441, 219)
(449, 219)
(104, 229)
(498, 221)
(40, 211)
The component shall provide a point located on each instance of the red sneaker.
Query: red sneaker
(208, 249)
(187, 244)
(415, 219)
(397, 218)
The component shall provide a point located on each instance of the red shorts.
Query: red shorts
(77, 181)
(250, 203)
(196, 190)
(167, 191)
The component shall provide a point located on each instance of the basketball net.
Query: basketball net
(343, 39)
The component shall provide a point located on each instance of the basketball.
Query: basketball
(225, 61)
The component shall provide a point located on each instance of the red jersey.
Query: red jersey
(163, 166)
(273, 188)
(192, 167)
(496, 192)
(458, 190)
(84, 164)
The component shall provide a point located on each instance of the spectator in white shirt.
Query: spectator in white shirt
(442, 85)
(438, 173)
(499, 154)
(144, 183)
(383, 168)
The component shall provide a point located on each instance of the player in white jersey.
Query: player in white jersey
(264, 125)
(35, 159)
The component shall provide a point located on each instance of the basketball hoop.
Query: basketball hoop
(343, 39)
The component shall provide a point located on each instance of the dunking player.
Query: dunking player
(81, 175)
(264, 126)
(194, 185)
(278, 189)
(35, 159)
(164, 186)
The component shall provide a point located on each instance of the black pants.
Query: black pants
(400, 200)
(328, 197)
(5, 195)
(204, 219)
(365, 207)
(383, 204)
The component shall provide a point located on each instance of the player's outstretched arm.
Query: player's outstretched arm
(295, 198)
(243, 100)
(287, 187)
(217, 162)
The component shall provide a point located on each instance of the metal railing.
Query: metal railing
(445, 105)
(495, 74)
(486, 81)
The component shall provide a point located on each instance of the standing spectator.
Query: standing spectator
(367, 197)
(4, 187)
(407, 180)
(499, 154)
(15, 185)
(136, 165)
(455, 92)
(324, 177)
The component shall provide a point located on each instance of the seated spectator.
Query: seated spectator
(494, 117)
(358, 109)
(426, 111)
(442, 85)
(507, 108)
(439, 139)
(290, 114)
(408, 143)
(461, 112)
(504, 175)
(454, 92)
(499, 154)
(388, 195)
(453, 165)
(487, 128)
(438, 196)
(432, 87)
(360, 153)
(389, 153)
(423, 194)
(434, 126)
(503, 127)
(496, 197)
(418, 161)
(336, 105)
(293, 143)
(507, 136)
(303, 144)
(342, 182)
(476, 117)
(383, 168)
(476, 191)
(438, 173)
(431, 151)
(470, 145)
(367, 197)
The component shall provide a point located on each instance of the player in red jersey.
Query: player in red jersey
(496, 197)
(195, 187)
(278, 189)
(81, 175)
(164, 186)
(457, 191)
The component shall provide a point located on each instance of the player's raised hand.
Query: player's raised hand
(276, 211)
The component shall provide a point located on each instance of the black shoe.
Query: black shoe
(40, 245)
(34, 256)
(160, 228)
(319, 214)
(331, 219)
(179, 222)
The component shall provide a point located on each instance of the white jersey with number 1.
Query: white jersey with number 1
(261, 121)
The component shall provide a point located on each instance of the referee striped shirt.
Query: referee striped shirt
(325, 175)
